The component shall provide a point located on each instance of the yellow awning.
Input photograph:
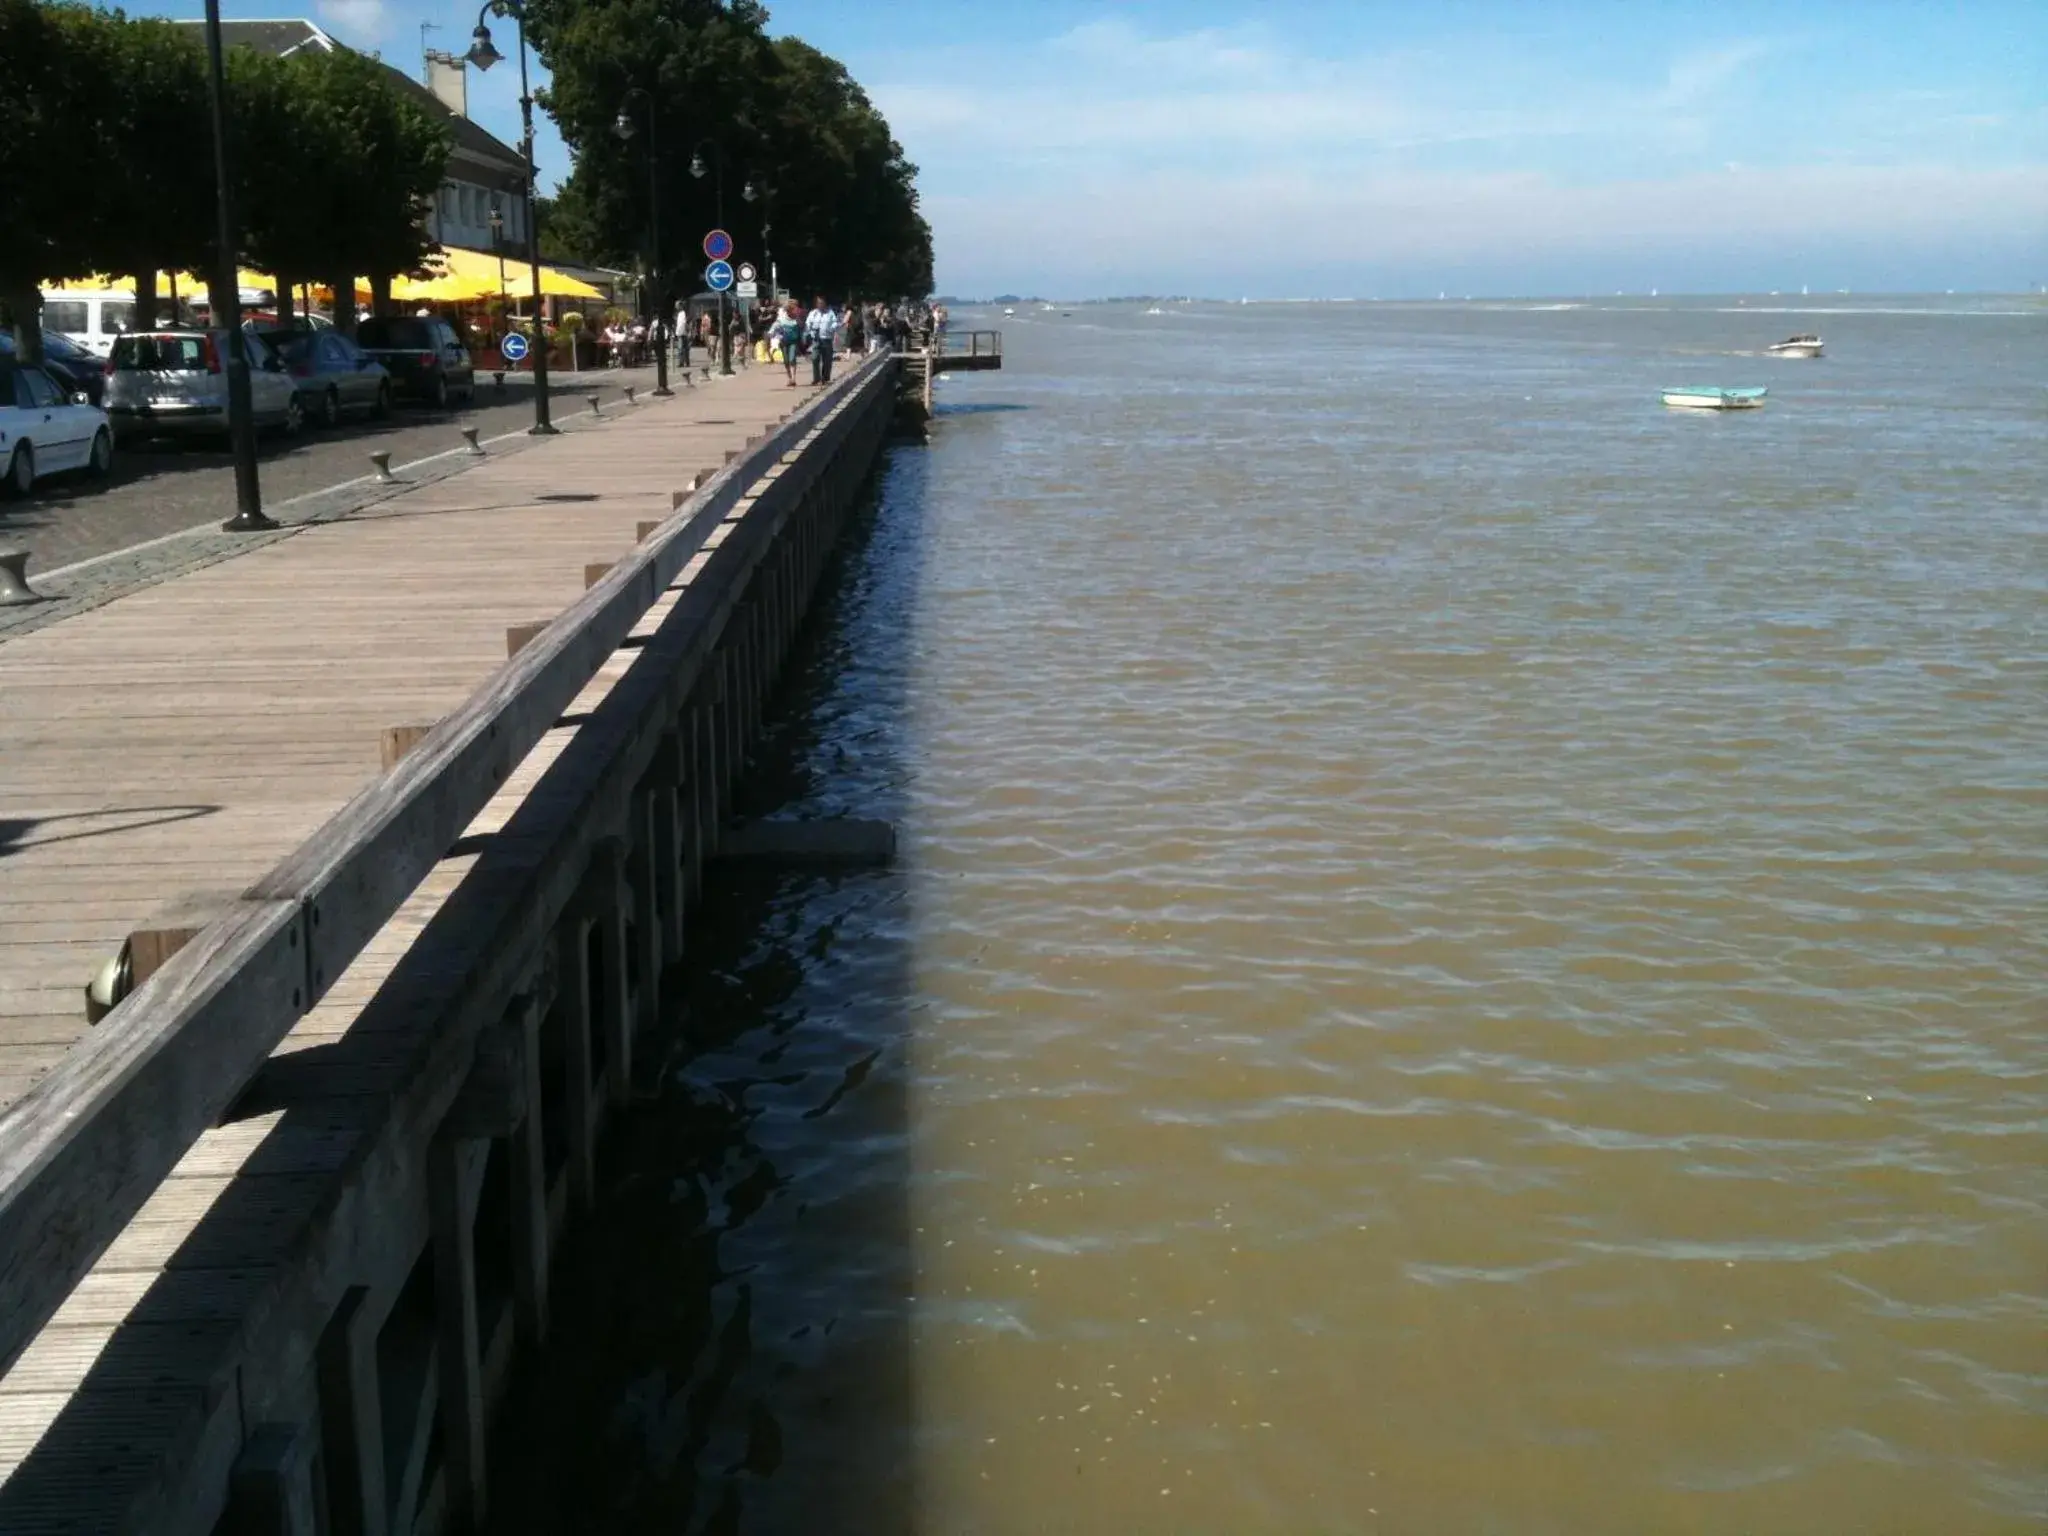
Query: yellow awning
(467, 274)
(188, 282)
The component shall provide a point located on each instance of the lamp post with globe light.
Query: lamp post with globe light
(624, 127)
(483, 55)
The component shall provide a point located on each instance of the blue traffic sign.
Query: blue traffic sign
(718, 276)
(513, 347)
(718, 245)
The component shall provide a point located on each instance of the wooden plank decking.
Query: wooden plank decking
(184, 738)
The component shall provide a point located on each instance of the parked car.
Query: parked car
(332, 374)
(426, 359)
(45, 431)
(168, 382)
(92, 317)
(69, 363)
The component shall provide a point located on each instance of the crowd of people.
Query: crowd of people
(792, 335)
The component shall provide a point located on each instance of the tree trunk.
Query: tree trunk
(145, 300)
(26, 305)
(380, 295)
(344, 290)
(284, 299)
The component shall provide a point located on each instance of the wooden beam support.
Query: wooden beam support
(351, 1419)
(526, 1147)
(270, 1490)
(398, 740)
(519, 636)
(457, 1339)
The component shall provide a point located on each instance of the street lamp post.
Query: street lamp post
(624, 128)
(767, 196)
(483, 56)
(498, 244)
(226, 303)
(697, 170)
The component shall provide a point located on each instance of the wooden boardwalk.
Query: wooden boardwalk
(184, 738)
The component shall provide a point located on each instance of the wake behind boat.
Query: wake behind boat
(1707, 397)
(1796, 346)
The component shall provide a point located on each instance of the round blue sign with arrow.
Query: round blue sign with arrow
(513, 347)
(718, 245)
(718, 276)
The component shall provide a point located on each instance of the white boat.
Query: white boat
(1709, 397)
(1009, 312)
(1796, 346)
(1155, 310)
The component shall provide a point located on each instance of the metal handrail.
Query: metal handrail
(971, 344)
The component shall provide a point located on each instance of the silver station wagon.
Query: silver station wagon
(174, 383)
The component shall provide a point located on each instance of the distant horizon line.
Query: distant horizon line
(1444, 297)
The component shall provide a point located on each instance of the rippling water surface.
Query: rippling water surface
(1468, 958)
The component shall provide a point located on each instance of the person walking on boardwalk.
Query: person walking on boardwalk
(820, 329)
(789, 336)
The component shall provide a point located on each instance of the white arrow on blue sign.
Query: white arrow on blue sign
(512, 348)
(718, 276)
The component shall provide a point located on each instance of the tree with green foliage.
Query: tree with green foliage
(333, 163)
(831, 183)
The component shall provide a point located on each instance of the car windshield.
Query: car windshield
(163, 354)
(384, 331)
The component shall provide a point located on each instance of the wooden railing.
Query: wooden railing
(84, 1148)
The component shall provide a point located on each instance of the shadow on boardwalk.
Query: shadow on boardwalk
(731, 1346)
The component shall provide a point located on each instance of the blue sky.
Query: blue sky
(1359, 148)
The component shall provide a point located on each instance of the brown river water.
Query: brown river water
(1468, 957)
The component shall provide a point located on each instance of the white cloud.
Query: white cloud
(1152, 154)
(362, 18)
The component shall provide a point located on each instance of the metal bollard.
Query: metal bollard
(592, 398)
(629, 396)
(383, 463)
(499, 380)
(469, 437)
(14, 587)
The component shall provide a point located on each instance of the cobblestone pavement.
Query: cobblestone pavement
(149, 525)
(166, 489)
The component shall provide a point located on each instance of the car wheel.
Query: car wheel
(383, 406)
(294, 417)
(330, 409)
(102, 463)
(437, 395)
(21, 471)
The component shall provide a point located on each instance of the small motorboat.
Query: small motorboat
(1796, 346)
(1707, 397)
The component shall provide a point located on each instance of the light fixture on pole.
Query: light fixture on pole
(483, 54)
(623, 126)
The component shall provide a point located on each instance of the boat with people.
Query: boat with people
(1796, 346)
(1710, 397)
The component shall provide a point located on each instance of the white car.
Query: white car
(44, 431)
(174, 383)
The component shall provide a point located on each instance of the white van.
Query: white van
(92, 317)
